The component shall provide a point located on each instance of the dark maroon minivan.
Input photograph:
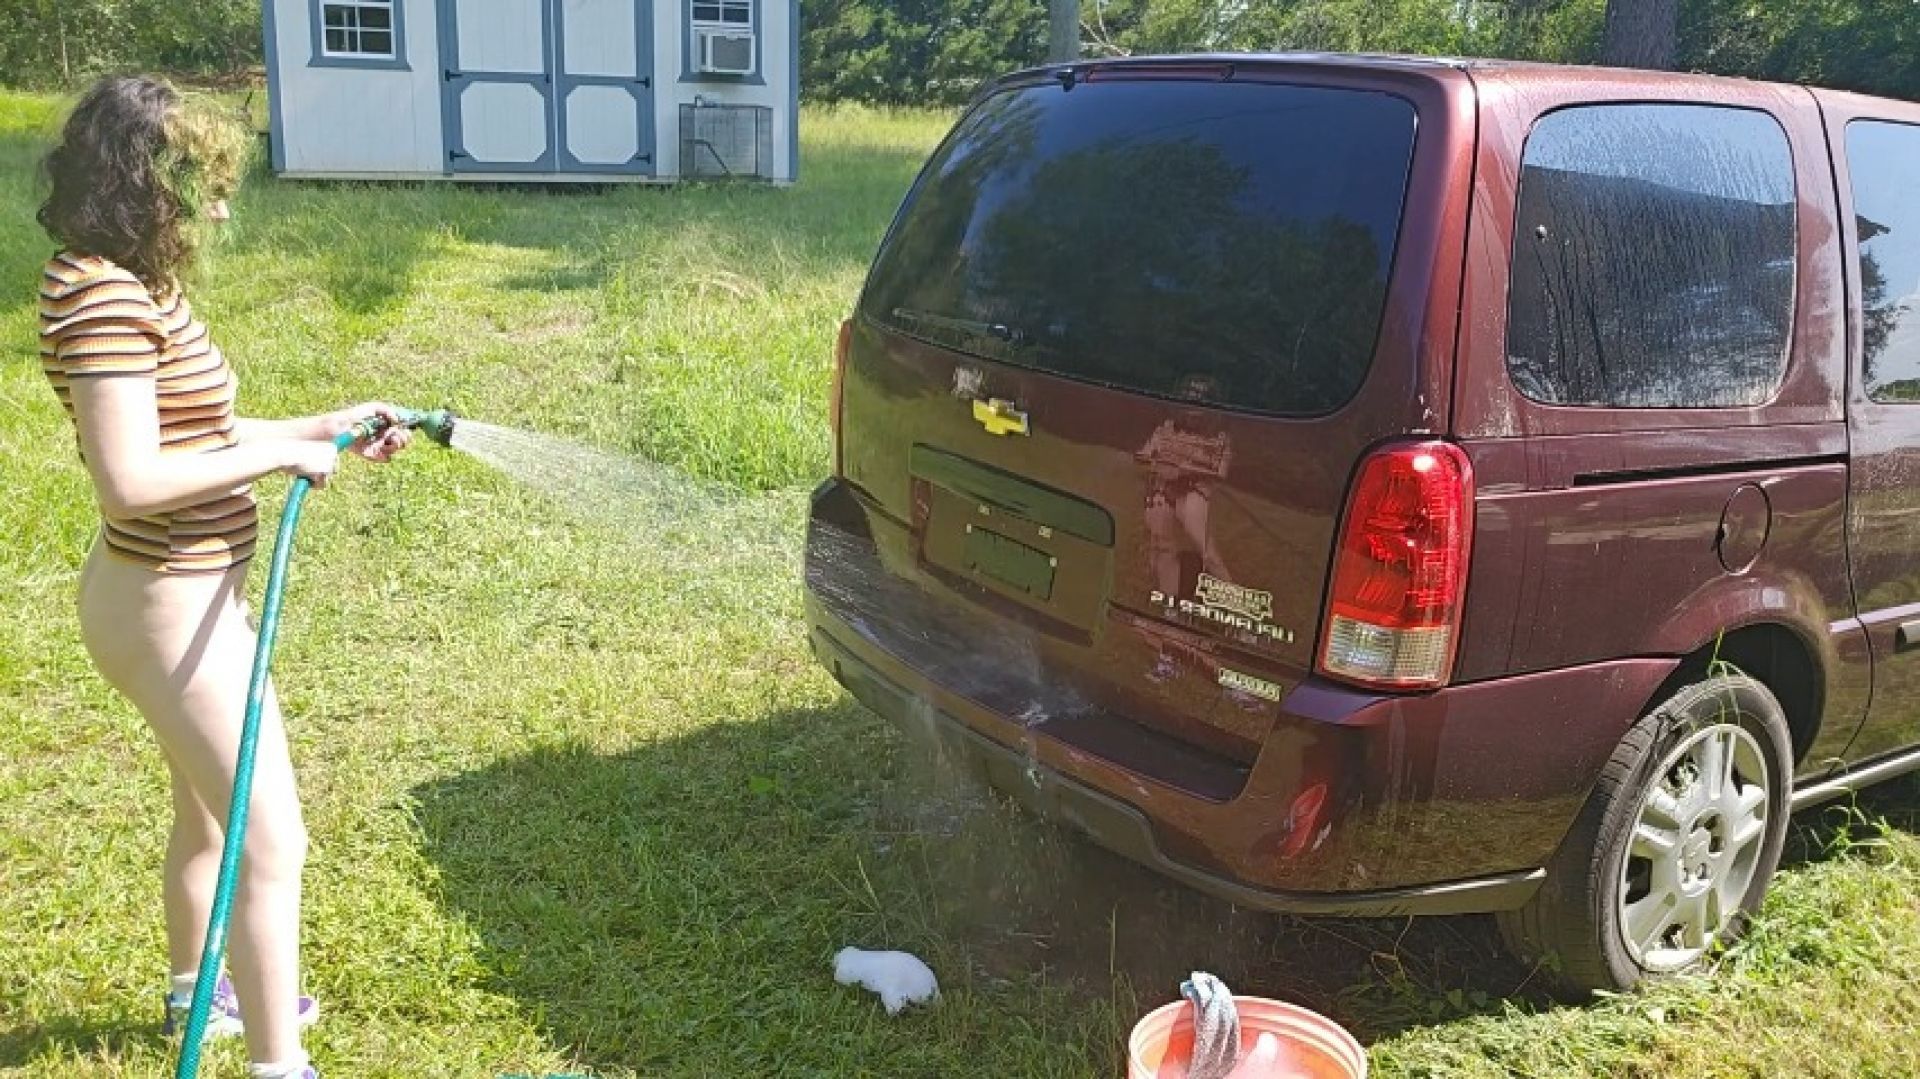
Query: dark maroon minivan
(1385, 486)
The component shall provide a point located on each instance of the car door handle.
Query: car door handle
(1907, 637)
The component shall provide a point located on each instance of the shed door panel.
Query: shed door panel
(598, 37)
(605, 85)
(501, 36)
(549, 85)
(498, 85)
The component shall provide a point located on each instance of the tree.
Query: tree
(1642, 33)
(915, 52)
(1063, 33)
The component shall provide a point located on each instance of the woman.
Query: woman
(138, 174)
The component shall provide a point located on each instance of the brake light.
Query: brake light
(840, 346)
(1400, 569)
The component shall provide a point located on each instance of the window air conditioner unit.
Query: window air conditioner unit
(724, 52)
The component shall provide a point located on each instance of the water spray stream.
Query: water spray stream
(698, 522)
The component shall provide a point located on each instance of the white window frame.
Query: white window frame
(325, 54)
(697, 26)
(751, 25)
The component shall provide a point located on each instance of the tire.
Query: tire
(1660, 868)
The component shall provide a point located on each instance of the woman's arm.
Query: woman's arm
(119, 427)
(330, 425)
(247, 429)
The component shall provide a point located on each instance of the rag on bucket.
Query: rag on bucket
(1216, 1027)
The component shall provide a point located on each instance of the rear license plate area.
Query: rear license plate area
(1010, 563)
(974, 544)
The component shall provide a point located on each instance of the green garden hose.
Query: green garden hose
(436, 425)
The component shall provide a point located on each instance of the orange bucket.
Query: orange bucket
(1311, 1045)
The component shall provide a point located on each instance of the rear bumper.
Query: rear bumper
(1124, 830)
(1356, 804)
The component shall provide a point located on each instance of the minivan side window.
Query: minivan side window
(1653, 258)
(1884, 158)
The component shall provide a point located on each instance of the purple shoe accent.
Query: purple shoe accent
(223, 1018)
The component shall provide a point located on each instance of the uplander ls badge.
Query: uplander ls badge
(1224, 603)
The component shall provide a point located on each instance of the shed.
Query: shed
(534, 90)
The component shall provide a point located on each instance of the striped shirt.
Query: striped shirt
(98, 319)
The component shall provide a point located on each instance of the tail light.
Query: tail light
(1400, 570)
(840, 346)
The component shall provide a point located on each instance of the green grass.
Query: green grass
(580, 800)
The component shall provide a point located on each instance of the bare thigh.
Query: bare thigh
(181, 650)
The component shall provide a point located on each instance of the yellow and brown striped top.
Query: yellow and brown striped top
(96, 319)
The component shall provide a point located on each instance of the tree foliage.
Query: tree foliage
(882, 51)
(59, 42)
(937, 51)
(915, 51)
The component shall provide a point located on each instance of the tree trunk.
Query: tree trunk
(1063, 30)
(1642, 33)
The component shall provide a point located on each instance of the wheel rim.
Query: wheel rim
(1695, 847)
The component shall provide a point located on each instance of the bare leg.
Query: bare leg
(187, 880)
(203, 736)
(181, 650)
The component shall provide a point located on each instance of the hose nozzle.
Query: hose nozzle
(437, 425)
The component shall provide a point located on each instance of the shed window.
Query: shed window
(1653, 265)
(357, 30)
(729, 14)
(723, 39)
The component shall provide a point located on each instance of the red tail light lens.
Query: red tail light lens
(1400, 570)
(840, 346)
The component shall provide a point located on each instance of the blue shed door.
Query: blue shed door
(605, 102)
(547, 85)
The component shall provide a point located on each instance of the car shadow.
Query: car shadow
(614, 893)
(1832, 830)
(617, 896)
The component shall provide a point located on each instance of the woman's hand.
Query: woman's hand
(382, 447)
(311, 460)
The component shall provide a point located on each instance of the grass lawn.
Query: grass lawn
(579, 799)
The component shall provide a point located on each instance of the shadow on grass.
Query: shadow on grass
(1832, 830)
(368, 241)
(638, 903)
(630, 899)
(23, 1045)
(627, 898)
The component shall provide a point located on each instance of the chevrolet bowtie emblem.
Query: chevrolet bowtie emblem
(1000, 417)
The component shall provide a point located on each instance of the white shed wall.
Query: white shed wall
(356, 120)
(372, 122)
(779, 58)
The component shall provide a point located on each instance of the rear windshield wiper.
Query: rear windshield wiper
(998, 331)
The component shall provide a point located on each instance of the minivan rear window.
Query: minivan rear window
(1226, 243)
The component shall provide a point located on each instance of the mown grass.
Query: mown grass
(579, 799)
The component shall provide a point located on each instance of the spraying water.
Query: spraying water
(575, 473)
(989, 875)
(654, 503)
(707, 525)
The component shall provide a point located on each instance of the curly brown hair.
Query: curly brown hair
(136, 166)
